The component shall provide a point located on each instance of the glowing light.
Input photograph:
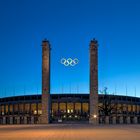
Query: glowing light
(39, 111)
(68, 111)
(35, 112)
(71, 110)
(94, 116)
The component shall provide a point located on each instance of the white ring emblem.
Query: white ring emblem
(69, 61)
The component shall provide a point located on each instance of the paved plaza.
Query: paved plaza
(69, 132)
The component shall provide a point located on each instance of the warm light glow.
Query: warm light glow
(68, 111)
(94, 116)
(35, 112)
(39, 111)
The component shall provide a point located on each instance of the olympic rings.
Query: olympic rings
(69, 61)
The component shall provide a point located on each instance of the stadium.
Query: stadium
(90, 107)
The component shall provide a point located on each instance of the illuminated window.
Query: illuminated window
(62, 107)
(124, 107)
(39, 108)
(134, 108)
(129, 108)
(70, 107)
(21, 108)
(33, 108)
(85, 107)
(138, 109)
(11, 108)
(68, 111)
(2, 109)
(119, 108)
(35, 112)
(54, 107)
(6, 109)
(27, 108)
(78, 107)
(16, 108)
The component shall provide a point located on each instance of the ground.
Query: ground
(69, 132)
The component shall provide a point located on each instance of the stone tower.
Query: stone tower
(45, 117)
(94, 118)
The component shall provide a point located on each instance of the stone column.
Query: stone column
(45, 117)
(18, 120)
(121, 120)
(4, 120)
(101, 120)
(107, 120)
(135, 120)
(114, 120)
(32, 120)
(94, 118)
(11, 120)
(128, 120)
(25, 120)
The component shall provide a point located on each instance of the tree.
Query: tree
(108, 106)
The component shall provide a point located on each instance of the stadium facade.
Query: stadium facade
(90, 107)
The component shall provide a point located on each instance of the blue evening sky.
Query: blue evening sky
(69, 25)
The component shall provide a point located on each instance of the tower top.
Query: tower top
(45, 42)
(94, 43)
